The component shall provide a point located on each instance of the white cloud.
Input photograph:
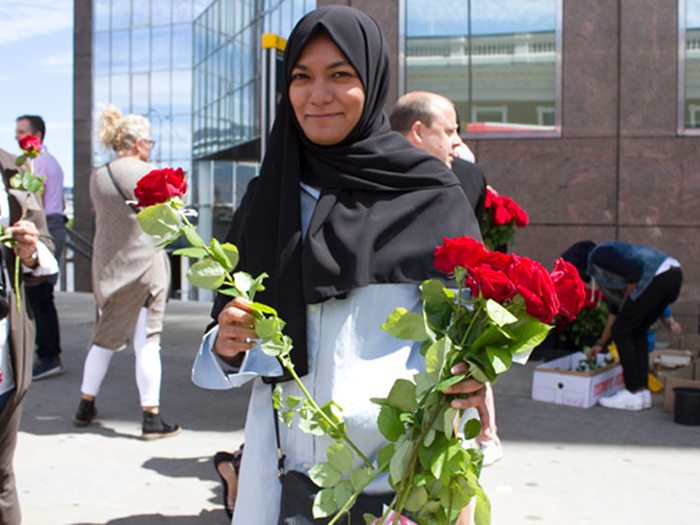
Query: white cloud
(22, 20)
(59, 62)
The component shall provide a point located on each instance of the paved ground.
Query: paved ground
(562, 465)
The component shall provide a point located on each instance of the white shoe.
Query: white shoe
(492, 451)
(646, 398)
(623, 399)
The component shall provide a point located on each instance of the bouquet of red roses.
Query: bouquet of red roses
(501, 216)
(509, 310)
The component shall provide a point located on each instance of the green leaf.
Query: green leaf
(342, 492)
(403, 324)
(325, 475)
(477, 372)
(263, 309)
(424, 384)
(309, 426)
(403, 396)
(527, 333)
(340, 456)
(385, 454)
(399, 461)
(269, 327)
(498, 314)
(435, 356)
(231, 292)
(277, 346)
(324, 504)
(439, 458)
(500, 359)
(448, 420)
(429, 437)
(416, 499)
(220, 255)
(193, 253)
(360, 477)
(159, 221)
(243, 281)
(472, 428)
(482, 513)
(207, 274)
(434, 292)
(231, 251)
(389, 423)
(447, 383)
(192, 235)
(257, 285)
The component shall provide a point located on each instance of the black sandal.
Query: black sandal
(231, 459)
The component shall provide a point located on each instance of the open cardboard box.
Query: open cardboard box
(558, 382)
(667, 360)
(688, 376)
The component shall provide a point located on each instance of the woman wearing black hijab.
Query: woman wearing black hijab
(344, 216)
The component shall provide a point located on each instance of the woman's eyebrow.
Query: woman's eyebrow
(339, 63)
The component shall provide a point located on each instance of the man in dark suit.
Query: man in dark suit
(34, 247)
(429, 122)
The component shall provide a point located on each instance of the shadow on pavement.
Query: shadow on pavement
(204, 517)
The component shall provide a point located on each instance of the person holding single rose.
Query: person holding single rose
(130, 278)
(344, 217)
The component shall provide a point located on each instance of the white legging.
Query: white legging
(148, 366)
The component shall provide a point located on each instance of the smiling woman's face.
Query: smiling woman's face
(325, 92)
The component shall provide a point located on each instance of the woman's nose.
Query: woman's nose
(320, 92)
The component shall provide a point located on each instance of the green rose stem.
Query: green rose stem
(187, 229)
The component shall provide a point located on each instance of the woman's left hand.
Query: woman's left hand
(474, 394)
(26, 235)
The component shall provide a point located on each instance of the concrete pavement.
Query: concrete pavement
(562, 465)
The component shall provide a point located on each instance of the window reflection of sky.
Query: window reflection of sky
(449, 17)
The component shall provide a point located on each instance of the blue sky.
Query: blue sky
(36, 50)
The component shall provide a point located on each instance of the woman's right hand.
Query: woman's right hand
(236, 330)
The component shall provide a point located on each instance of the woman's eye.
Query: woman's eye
(299, 76)
(342, 74)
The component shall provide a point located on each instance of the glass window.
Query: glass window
(689, 67)
(101, 53)
(182, 11)
(161, 48)
(160, 132)
(100, 85)
(160, 11)
(140, 49)
(141, 13)
(160, 92)
(119, 94)
(139, 93)
(121, 14)
(244, 174)
(223, 182)
(182, 45)
(182, 90)
(101, 15)
(497, 60)
(181, 137)
(120, 51)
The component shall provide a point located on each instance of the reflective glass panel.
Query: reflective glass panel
(497, 60)
(120, 51)
(100, 55)
(161, 47)
(690, 48)
(182, 11)
(101, 15)
(182, 45)
(141, 13)
(160, 92)
(140, 49)
(181, 137)
(121, 14)
(182, 90)
(100, 85)
(160, 11)
(119, 95)
(139, 93)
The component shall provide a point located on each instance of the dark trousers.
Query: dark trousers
(633, 321)
(9, 503)
(48, 337)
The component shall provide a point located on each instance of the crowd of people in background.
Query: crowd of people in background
(321, 218)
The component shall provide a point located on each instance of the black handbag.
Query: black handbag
(298, 493)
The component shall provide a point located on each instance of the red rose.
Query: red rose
(492, 283)
(498, 260)
(159, 185)
(491, 198)
(30, 145)
(592, 299)
(516, 212)
(459, 251)
(569, 288)
(500, 215)
(535, 286)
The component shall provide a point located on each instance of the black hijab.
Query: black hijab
(384, 204)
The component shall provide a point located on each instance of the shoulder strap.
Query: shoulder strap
(126, 199)
(280, 455)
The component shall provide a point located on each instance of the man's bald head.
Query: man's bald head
(428, 121)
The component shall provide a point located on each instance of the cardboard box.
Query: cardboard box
(688, 376)
(668, 360)
(558, 382)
